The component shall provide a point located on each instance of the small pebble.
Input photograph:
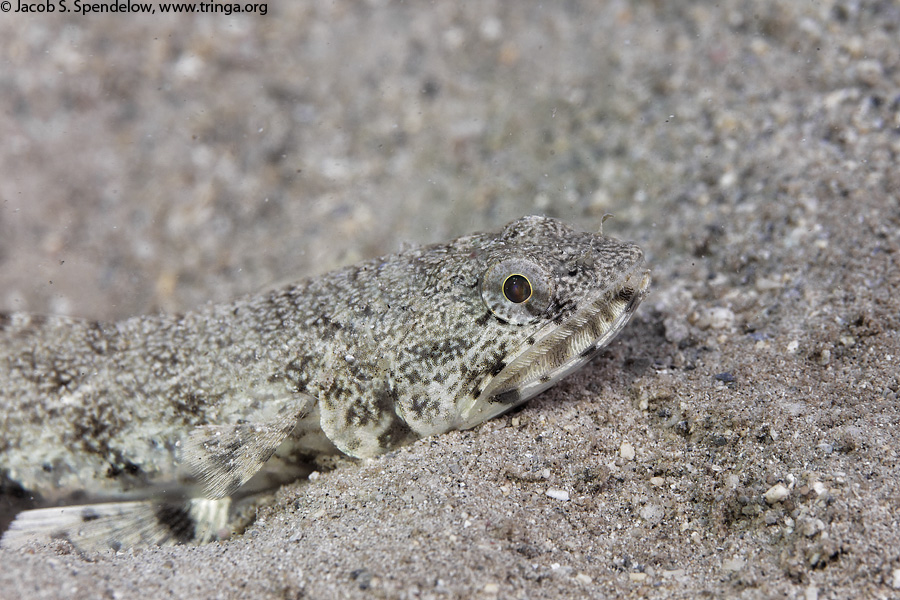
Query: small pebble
(810, 527)
(869, 72)
(776, 493)
(676, 330)
(716, 318)
(848, 340)
(491, 588)
(652, 513)
(561, 571)
(674, 573)
(626, 451)
(766, 284)
(558, 494)
(733, 564)
(584, 579)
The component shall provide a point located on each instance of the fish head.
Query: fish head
(537, 300)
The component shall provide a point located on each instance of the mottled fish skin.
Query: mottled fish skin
(357, 361)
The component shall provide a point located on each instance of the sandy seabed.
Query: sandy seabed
(740, 438)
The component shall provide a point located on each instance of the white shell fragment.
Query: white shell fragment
(557, 494)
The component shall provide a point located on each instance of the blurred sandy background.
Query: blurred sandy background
(156, 162)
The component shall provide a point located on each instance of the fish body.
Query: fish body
(160, 421)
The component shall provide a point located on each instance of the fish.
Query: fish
(155, 429)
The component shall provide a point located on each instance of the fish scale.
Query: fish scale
(160, 422)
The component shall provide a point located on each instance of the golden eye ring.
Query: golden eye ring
(517, 288)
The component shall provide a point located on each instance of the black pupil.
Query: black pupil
(517, 289)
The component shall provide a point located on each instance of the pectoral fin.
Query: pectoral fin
(359, 418)
(225, 457)
(116, 525)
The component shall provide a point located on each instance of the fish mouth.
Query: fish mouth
(557, 350)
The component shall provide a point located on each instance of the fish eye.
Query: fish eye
(517, 288)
